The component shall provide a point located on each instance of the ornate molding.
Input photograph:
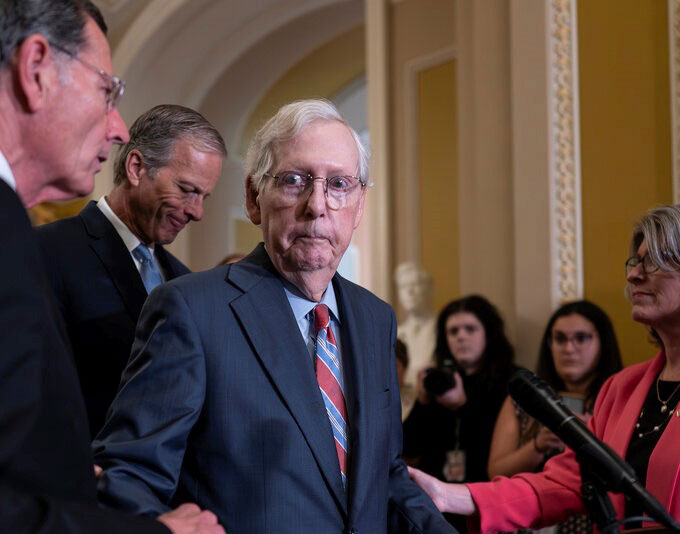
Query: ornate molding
(564, 157)
(674, 45)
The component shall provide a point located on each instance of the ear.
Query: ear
(253, 202)
(134, 167)
(35, 70)
(360, 209)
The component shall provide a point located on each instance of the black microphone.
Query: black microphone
(539, 400)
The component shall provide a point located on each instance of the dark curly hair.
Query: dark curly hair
(497, 358)
(610, 357)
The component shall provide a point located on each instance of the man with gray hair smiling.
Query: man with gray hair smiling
(266, 390)
(103, 262)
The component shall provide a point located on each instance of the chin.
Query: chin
(639, 314)
(82, 185)
(165, 239)
(299, 260)
(308, 264)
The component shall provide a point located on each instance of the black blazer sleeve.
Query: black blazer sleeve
(46, 476)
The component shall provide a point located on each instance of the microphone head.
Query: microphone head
(537, 398)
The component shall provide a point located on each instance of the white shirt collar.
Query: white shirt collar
(6, 173)
(131, 241)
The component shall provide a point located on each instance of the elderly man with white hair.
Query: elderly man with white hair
(266, 390)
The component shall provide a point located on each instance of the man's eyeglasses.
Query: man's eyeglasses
(115, 87)
(579, 339)
(341, 191)
(648, 266)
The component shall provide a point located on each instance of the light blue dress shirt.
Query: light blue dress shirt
(303, 310)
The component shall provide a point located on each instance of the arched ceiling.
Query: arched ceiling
(180, 51)
(176, 50)
(219, 57)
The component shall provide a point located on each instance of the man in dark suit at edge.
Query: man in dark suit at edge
(58, 120)
(266, 390)
(103, 262)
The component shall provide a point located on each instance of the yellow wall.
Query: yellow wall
(438, 173)
(419, 29)
(625, 143)
(247, 236)
(323, 73)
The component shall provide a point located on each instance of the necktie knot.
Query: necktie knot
(321, 318)
(148, 270)
(142, 253)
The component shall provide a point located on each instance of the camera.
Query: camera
(439, 380)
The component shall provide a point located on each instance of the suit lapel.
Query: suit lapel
(115, 257)
(268, 321)
(358, 356)
(663, 469)
(169, 267)
(623, 431)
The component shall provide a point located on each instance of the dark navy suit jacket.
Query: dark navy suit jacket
(46, 479)
(220, 405)
(100, 294)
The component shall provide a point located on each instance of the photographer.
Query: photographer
(448, 433)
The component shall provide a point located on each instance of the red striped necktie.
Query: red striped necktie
(329, 376)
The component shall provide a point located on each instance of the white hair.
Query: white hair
(660, 228)
(287, 124)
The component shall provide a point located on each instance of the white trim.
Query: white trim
(674, 60)
(411, 187)
(158, 13)
(144, 26)
(374, 234)
(564, 152)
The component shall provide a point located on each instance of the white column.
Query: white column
(373, 237)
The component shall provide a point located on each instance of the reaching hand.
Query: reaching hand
(454, 398)
(430, 485)
(453, 498)
(190, 519)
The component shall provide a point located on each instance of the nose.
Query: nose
(117, 131)
(194, 208)
(569, 344)
(636, 273)
(316, 202)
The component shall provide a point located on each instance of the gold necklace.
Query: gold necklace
(656, 428)
(664, 403)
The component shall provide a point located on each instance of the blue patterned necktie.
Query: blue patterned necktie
(148, 271)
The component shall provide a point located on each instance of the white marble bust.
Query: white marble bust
(417, 330)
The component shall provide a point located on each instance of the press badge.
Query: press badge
(454, 468)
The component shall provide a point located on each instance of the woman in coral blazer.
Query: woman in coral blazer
(637, 412)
